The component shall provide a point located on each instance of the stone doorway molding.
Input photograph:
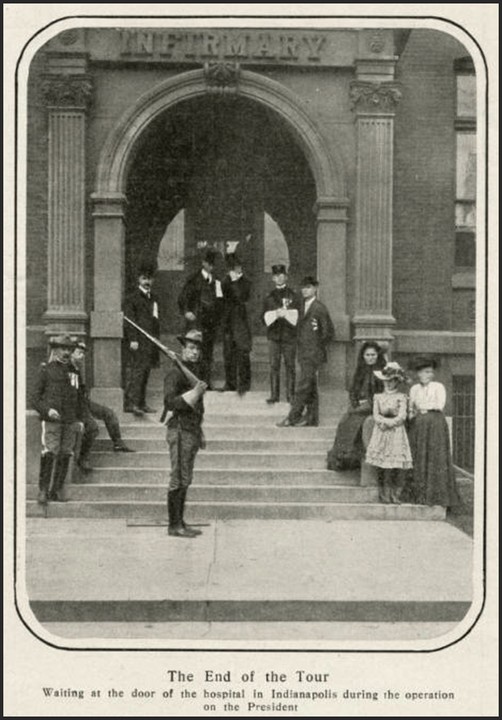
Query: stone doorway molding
(109, 202)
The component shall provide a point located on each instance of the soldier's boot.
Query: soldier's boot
(190, 528)
(60, 472)
(83, 461)
(275, 388)
(383, 485)
(44, 479)
(398, 484)
(290, 386)
(174, 510)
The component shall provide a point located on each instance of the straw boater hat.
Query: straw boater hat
(194, 336)
(391, 371)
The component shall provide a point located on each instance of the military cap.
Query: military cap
(194, 336)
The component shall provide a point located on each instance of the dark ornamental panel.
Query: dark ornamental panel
(67, 91)
(373, 97)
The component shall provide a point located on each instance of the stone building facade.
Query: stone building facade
(347, 152)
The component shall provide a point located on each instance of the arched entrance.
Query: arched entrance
(226, 174)
(121, 156)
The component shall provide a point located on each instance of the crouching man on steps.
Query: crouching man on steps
(184, 432)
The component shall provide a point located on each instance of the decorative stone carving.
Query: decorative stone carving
(222, 77)
(67, 91)
(373, 97)
(377, 41)
(68, 37)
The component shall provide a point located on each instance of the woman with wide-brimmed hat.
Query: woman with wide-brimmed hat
(433, 473)
(388, 449)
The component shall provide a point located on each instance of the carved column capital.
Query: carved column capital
(222, 77)
(368, 97)
(67, 91)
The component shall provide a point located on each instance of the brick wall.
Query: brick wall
(424, 182)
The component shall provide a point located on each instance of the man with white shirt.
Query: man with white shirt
(315, 331)
(141, 307)
(280, 315)
(200, 303)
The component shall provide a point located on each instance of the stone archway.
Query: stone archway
(109, 208)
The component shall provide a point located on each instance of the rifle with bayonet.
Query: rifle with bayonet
(166, 351)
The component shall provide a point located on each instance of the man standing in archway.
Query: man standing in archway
(315, 331)
(200, 302)
(280, 315)
(142, 308)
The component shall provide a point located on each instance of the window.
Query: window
(172, 245)
(463, 421)
(465, 204)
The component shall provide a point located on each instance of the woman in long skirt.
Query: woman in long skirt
(348, 450)
(433, 474)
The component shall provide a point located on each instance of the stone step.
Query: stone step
(222, 476)
(212, 460)
(282, 444)
(140, 430)
(197, 511)
(263, 418)
(217, 493)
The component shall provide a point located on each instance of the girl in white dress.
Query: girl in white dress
(388, 449)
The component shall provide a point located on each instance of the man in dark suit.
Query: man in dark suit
(280, 315)
(315, 331)
(200, 302)
(236, 331)
(141, 306)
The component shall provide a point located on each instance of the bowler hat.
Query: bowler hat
(391, 371)
(210, 256)
(278, 270)
(309, 280)
(61, 341)
(232, 260)
(146, 270)
(194, 336)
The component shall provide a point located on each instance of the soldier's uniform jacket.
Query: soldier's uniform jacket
(235, 318)
(183, 415)
(199, 297)
(142, 310)
(281, 330)
(59, 387)
(315, 331)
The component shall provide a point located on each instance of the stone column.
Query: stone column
(374, 103)
(67, 97)
(107, 317)
(331, 272)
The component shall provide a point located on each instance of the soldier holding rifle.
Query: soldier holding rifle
(183, 396)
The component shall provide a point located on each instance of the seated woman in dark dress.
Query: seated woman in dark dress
(348, 450)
